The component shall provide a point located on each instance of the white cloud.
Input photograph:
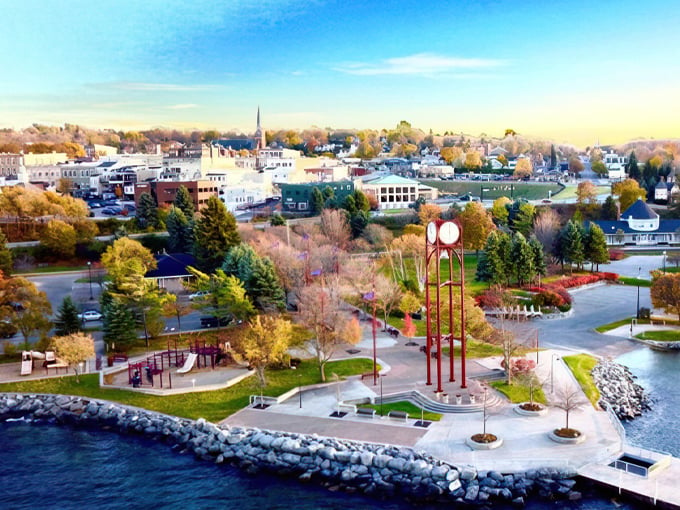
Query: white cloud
(418, 64)
(182, 106)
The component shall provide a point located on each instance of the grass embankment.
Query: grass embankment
(518, 392)
(495, 189)
(476, 350)
(581, 365)
(613, 325)
(635, 282)
(413, 410)
(660, 336)
(211, 405)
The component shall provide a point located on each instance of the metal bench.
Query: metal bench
(398, 415)
(365, 412)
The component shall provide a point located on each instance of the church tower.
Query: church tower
(259, 133)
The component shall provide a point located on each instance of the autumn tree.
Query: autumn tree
(226, 298)
(575, 166)
(335, 227)
(214, 233)
(476, 224)
(265, 342)
(499, 210)
(628, 191)
(586, 192)
(59, 238)
(377, 235)
(321, 312)
(473, 159)
(74, 349)
(408, 246)
(599, 168)
(126, 258)
(523, 169)
(665, 292)
(6, 257)
(28, 308)
(388, 295)
(67, 322)
(428, 213)
(546, 227)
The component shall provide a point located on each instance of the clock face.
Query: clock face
(449, 233)
(431, 232)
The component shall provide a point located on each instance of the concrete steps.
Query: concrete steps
(417, 398)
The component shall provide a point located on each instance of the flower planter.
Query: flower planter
(528, 412)
(484, 446)
(566, 440)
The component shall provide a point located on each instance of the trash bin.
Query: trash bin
(109, 361)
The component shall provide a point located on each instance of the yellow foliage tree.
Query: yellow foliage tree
(628, 192)
(74, 349)
(428, 213)
(523, 169)
(59, 238)
(265, 342)
(477, 224)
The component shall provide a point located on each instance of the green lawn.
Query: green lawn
(211, 405)
(613, 325)
(517, 392)
(581, 365)
(569, 191)
(50, 269)
(413, 410)
(495, 189)
(660, 336)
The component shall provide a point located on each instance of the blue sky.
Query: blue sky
(569, 70)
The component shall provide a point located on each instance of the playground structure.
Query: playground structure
(156, 368)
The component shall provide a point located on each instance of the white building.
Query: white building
(616, 166)
(395, 192)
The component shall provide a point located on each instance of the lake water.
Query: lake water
(50, 467)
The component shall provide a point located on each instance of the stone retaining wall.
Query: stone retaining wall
(371, 469)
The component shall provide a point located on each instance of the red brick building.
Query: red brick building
(166, 191)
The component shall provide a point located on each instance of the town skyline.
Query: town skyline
(574, 73)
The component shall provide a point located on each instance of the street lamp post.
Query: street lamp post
(381, 394)
(300, 388)
(664, 261)
(89, 270)
(637, 314)
(552, 372)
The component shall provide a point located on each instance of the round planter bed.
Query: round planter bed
(490, 442)
(538, 409)
(576, 439)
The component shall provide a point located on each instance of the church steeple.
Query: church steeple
(259, 132)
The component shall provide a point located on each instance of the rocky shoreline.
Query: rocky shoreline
(373, 469)
(618, 388)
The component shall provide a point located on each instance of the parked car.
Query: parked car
(112, 211)
(7, 329)
(94, 204)
(90, 315)
(198, 295)
(212, 322)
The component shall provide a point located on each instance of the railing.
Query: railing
(615, 422)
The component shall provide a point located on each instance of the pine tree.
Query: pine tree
(358, 223)
(264, 287)
(361, 201)
(540, 267)
(184, 202)
(553, 158)
(67, 321)
(239, 262)
(595, 249)
(573, 244)
(317, 201)
(493, 266)
(147, 212)
(522, 259)
(6, 258)
(610, 210)
(214, 233)
(632, 167)
(180, 233)
(120, 331)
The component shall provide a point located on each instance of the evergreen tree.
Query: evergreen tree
(523, 220)
(553, 158)
(361, 200)
(632, 167)
(595, 246)
(214, 233)
(610, 210)
(119, 326)
(540, 267)
(522, 257)
(239, 262)
(184, 202)
(317, 201)
(358, 223)
(493, 264)
(350, 205)
(147, 212)
(264, 287)
(573, 244)
(180, 233)
(67, 321)
(6, 258)
(483, 273)
(277, 220)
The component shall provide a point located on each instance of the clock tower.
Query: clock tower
(444, 297)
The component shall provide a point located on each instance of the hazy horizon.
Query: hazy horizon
(574, 72)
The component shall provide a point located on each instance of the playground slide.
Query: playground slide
(188, 364)
(26, 363)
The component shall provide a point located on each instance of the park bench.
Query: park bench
(398, 415)
(365, 412)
